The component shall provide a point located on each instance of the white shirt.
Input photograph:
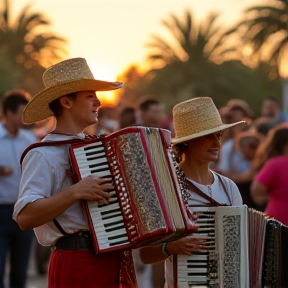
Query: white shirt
(44, 174)
(217, 194)
(11, 148)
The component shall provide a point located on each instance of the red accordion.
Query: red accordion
(146, 206)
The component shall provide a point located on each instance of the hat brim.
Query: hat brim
(205, 132)
(38, 107)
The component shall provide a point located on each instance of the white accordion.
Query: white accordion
(245, 250)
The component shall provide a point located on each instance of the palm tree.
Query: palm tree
(26, 48)
(191, 64)
(265, 29)
(191, 42)
(23, 44)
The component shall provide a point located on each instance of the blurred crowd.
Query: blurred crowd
(253, 155)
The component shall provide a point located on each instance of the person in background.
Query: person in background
(151, 112)
(247, 143)
(271, 109)
(13, 141)
(106, 122)
(271, 183)
(127, 117)
(231, 160)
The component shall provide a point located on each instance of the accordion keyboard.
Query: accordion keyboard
(107, 220)
(200, 268)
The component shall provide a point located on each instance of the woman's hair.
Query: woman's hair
(273, 146)
(179, 150)
(56, 107)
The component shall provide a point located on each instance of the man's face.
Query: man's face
(270, 109)
(153, 117)
(84, 108)
(15, 118)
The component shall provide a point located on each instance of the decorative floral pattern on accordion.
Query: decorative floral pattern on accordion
(145, 196)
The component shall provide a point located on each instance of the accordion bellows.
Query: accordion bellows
(146, 206)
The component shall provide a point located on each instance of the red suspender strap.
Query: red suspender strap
(51, 143)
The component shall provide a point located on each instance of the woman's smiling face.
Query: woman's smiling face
(205, 148)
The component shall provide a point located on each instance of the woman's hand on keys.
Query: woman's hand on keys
(186, 245)
(91, 188)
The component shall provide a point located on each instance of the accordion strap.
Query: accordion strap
(87, 139)
(199, 192)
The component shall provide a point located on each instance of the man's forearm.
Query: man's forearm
(45, 210)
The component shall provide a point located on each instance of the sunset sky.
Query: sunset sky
(111, 34)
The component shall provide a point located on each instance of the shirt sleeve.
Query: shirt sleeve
(268, 174)
(36, 181)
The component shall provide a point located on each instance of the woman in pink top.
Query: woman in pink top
(271, 183)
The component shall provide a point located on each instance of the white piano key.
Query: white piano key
(193, 257)
(97, 174)
(111, 220)
(193, 278)
(112, 199)
(101, 217)
(105, 228)
(81, 150)
(192, 270)
(196, 264)
(97, 168)
(86, 159)
(113, 240)
(95, 161)
(104, 208)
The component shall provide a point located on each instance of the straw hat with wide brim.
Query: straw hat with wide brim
(63, 78)
(195, 118)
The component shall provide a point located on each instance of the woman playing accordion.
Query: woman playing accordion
(198, 131)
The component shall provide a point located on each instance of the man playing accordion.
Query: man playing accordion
(48, 202)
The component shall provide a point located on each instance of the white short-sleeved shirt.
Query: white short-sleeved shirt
(219, 195)
(45, 172)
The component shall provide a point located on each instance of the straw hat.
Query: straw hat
(195, 118)
(63, 78)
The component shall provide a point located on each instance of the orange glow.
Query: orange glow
(111, 34)
(108, 98)
(104, 72)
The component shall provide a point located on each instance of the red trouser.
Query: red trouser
(84, 269)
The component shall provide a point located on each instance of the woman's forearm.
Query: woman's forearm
(152, 254)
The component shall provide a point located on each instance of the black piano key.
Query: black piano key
(117, 236)
(115, 228)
